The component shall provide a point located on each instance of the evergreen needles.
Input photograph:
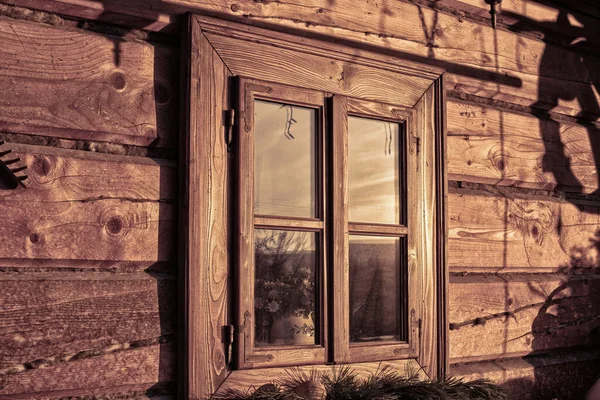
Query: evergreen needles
(385, 384)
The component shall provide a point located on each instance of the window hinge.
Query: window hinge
(229, 123)
(420, 327)
(229, 338)
(418, 145)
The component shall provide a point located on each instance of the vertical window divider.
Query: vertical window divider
(341, 296)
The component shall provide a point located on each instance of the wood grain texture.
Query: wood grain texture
(562, 376)
(512, 315)
(53, 315)
(82, 85)
(340, 293)
(143, 367)
(96, 230)
(286, 65)
(498, 147)
(204, 218)
(242, 380)
(499, 64)
(500, 230)
(60, 175)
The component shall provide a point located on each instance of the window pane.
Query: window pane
(284, 292)
(375, 290)
(373, 171)
(284, 162)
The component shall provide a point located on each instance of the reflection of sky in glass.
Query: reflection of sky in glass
(373, 171)
(284, 161)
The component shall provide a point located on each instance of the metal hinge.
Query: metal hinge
(418, 145)
(229, 123)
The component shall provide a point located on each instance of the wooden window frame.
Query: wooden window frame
(214, 52)
(247, 355)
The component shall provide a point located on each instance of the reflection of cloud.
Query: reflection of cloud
(373, 170)
(284, 166)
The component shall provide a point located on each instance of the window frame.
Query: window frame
(248, 355)
(215, 51)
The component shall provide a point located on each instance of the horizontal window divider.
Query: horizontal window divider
(291, 224)
(378, 229)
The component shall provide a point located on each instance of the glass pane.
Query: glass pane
(373, 171)
(284, 291)
(375, 291)
(284, 159)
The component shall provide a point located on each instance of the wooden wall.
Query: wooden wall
(87, 260)
(90, 241)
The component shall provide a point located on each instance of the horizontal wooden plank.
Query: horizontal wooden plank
(92, 230)
(142, 367)
(567, 376)
(504, 316)
(498, 147)
(499, 64)
(82, 85)
(45, 317)
(86, 206)
(57, 175)
(500, 230)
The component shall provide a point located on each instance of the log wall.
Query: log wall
(87, 264)
(87, 255)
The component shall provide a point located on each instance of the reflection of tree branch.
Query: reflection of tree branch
(284, 280)
(289, 121)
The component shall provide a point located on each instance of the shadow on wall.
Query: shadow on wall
(569, 316)
(579, 37)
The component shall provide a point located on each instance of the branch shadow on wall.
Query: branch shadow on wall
(566, 330)
(582, 65)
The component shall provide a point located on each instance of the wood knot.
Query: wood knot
(43, 166)
(114, 225)
(235, 7)
(34, 237)
(162, 95)
(117, 80)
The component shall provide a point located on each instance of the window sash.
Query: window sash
(343, 350)
(248, 354)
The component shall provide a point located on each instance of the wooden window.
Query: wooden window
(312, 228)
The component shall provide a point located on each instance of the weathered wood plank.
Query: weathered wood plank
(511, 315)
(567, 376)
(77, 84)
(496, 230)
(488, 145)
(57, 175)
(142, 367)
(45, 317)
(87, 230)
(499, 64)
